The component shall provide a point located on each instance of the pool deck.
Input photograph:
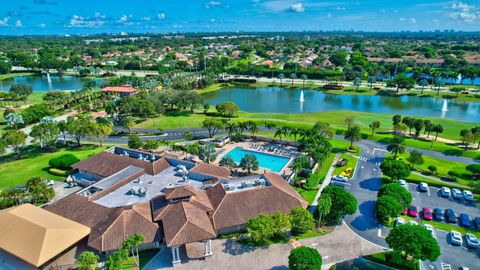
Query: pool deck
(247, 145)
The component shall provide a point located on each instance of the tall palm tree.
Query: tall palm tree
(242, 126)
(423, 83)
(295, 132)
(253, 128)
(293, 76)
(279, 133)
(353, 134)
(230, 128)
(396, 146)
(324, 206)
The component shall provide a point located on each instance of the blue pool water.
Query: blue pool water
(273, 162)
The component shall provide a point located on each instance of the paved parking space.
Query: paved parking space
(453, 257)
(432, 199)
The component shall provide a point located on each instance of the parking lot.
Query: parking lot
(452, 257)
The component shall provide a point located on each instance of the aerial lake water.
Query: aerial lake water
(281, 100)
(41, 84)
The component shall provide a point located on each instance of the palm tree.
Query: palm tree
(249, 162)
(253, 128)
(396, 146)
(242, 126)
(324, 206)
(353, 134)
(132, 242)
(279, 133)
(230, 128)
(374, 125)
(437, 129)
(281, 77)
(304, 78)
(295, 132)
(423, 83)
(228, 162)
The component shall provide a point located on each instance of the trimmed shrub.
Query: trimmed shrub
(63, 162)
(58, 172)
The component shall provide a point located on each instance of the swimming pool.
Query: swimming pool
(273, 162)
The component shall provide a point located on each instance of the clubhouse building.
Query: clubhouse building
(175, 204)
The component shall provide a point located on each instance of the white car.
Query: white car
(423, 186)
(456, 238)
(340, 178)
(411, 222)
(403, 183)
(49, 182)
(456, 193)
(399, 221)
(445, 192)
(472, 241)
(467, 194)
(430, 229)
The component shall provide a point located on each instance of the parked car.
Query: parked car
(412, 222)
(438, 214)
(405, 211)
(340, 178)
(403, 183)
(427, 213)
(456, 193)
(472, 241)
(468, 196)
(399, 221)
(423, 187)
(341, 162)
(445, 192)
(413, 211)
(430, 229)
(465, 220)
(450, 216)
(456, 238)
(476, 221)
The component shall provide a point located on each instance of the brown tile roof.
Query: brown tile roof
(105, 164)
(183, 222)
(109, 226)
(236, 208)
(179, 192)
(119, 89)
(210, 169)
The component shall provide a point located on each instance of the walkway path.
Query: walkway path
(327, 179)
(438, 180)
(339, 245)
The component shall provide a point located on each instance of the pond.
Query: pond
(41, 84)
(281, 100)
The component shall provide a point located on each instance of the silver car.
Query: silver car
(456, 238)
(472, 241)
(340, 178)
(445, 192)
(467, 194)
(456, 193)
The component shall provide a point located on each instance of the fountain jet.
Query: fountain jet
(445, 106)
(49, 80)
(302, 99)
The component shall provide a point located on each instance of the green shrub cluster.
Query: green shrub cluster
(63, 162)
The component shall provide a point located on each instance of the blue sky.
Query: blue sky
(107, 16)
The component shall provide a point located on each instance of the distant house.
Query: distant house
(125, 90)
(178, 203)
(268, 63)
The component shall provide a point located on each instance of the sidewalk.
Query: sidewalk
(327, 179)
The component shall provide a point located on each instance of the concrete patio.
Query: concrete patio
(340, 245)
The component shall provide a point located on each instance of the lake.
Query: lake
(281, 100)
(41, 84)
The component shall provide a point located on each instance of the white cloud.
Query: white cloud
(99, 15)
(161, 16)
(464, 12)
(340, 8)
(412, 20)
(124, 18)
(402, 19)
(213, 3)
(18, 24)
(42, 25)
(297, 7)
(329, 15)
(146, 18)
(4, 21)
(80, 21)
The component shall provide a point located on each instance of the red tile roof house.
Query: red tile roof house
(125, 90)
(173, 203)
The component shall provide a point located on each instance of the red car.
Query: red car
(405, 211)
(427, 213)
(413, 211)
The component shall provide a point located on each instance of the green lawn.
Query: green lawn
(444, 226)
(11, 75)
(35, 163)
(352, 162)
